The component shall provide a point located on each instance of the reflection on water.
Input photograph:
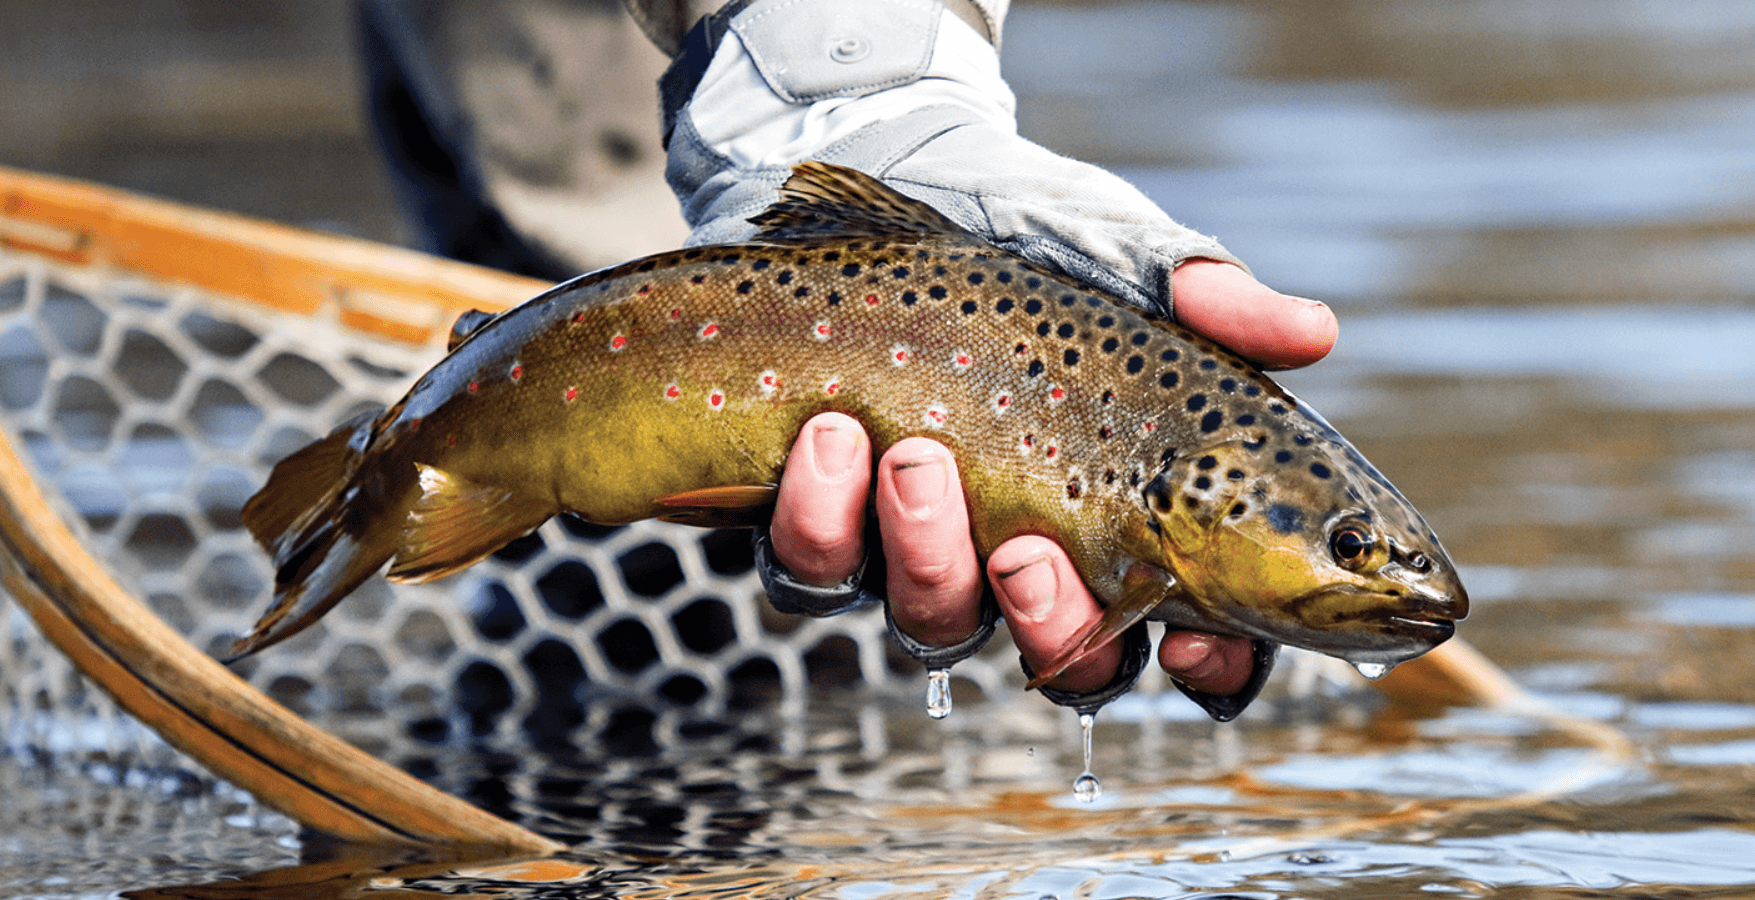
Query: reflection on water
(1534, 220)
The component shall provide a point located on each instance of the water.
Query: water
(1533, 219)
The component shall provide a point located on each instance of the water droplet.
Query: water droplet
(1373, 670)
(1087, 788)
(938, 693)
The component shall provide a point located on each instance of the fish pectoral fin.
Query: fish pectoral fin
(727, 506)
(457, 522)
(1138, 597)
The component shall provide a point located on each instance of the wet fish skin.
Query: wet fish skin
(1185, 485)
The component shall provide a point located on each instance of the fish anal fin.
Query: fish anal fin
(1142, 589)
(457, 522)
(823, 200)
(727, 506)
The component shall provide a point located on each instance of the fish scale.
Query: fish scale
(1184, 484)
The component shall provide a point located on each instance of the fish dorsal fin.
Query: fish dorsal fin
(823, 200)
(466, 325)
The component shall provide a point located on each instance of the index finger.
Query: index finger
(1227, 304)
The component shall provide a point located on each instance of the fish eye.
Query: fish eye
(1350, 545)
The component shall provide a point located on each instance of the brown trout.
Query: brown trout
(1185, 485)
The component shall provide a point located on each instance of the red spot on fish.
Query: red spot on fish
(474, 386)
(1052, 450)
(450, 440)
(578, 317)
(572, 394)
(832, 388)
(961, 360)
(871, 300)
(1029, 441)
(821, 331)
(1021, 349)
(1150, 427)
(645, 289)
(675, 313)
(898, 354)
(769, 382)
(618, 342)
(936, 415)
(715, 398)
(1108, 398)
(711, 329)
(1002, 401)
(1104, 433)
(671, 391)
(517, 372)
(1057, 393)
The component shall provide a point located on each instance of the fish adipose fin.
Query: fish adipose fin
(824, 200)
(731, 506)
(304, 521)
(466, 326)
(457, 522)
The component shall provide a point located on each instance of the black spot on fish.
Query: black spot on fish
(1004, 305)
(976, 277)
(1033, 306)
(784, 277)
(1104, 433)
(1210, 422)
(1106, 322)
(1203, 483)
(937, 291)
(1207, 463)
(900, 271)
(698, 279)
(647, 266)
(1320, 470)
(1073, 489)
(940, 271)
(1042, 329)
(1238, 510)
(850, 270)
(730, 259)
(909, 298)
(1245, 420)
(1284, 456)
(1111, 345)
(760, 264)
(1035, 368)
(1228, 385)
(1093, 302)
(1197, 402)
(1169, 356)
(1004, 277)
(834, 298)
(692, 254)
(1250, 390)
(1108, 476)
(1285, 519)
(1065, 330)
(803, 291)
(1209, 364)
(1135, 364)
(744, 287)
(955, 257)
(1278, 409)
(1068, 299)
(831, 256)
(1259, 442)
(969, 307)
(1168, 379)
(1234, 474)
(1071, 357)
(1033, 282)
(1139, 338)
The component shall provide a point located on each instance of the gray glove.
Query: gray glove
(904, 90)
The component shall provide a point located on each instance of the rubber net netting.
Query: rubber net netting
(638, 666)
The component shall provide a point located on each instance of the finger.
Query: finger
(1206, 662)
(1227, 304)
(934, 577)
(1045, 604)
(819, 514)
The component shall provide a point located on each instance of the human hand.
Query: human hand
(934, 577)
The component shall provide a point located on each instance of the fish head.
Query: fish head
(1304, 543)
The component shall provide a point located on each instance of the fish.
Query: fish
(1185, 485)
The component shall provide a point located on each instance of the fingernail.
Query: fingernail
(834, 447)
(921, 485)
(1030, 588)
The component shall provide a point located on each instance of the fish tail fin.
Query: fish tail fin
(314, 525)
